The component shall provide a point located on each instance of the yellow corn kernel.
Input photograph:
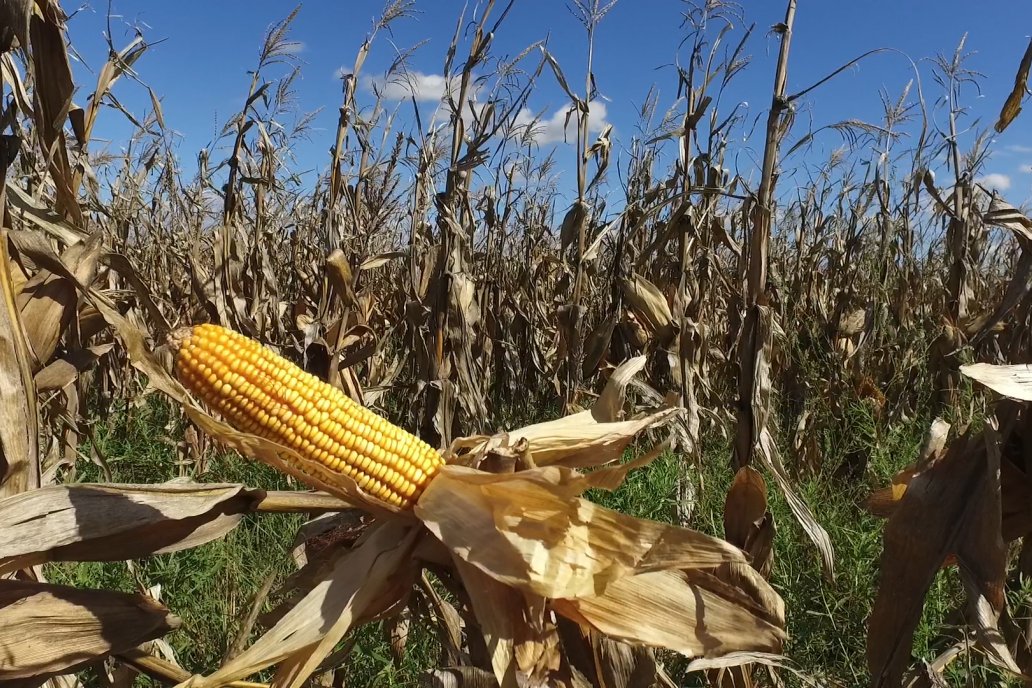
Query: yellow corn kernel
(260, 392)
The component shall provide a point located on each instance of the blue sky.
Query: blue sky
(199, 69)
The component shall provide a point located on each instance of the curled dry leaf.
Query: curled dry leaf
(115, 522)
(361, 584)
(47, 630)
(530, 530)
(693, 613)
(1014, 381)
(19, 420)
(63, 371)
(579, 440)
(951, 507)
(48, 301)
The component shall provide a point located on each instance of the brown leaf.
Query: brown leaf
(695, 615)
(48, 302)
(1012, 106)
(19, 422)
(14, 24)
(52, 76)
(47, 630)
(43, 217)
(460, 677)
(361, 584)
(109, 522)
(602, 661)
(745, 506)
(63, 371)
(529, 530)
(1003, 214)
(505, 622)
(946, 507)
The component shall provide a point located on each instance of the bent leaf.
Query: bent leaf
(696, 615)
(361, 584)
(1014, 381)
(48, 630)
(116, 522)
(539, 537)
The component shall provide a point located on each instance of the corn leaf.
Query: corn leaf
(109, 522)
(47, 630)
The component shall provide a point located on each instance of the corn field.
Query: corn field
(546, 342)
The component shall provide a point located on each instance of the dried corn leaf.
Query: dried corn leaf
(1014, 381)
(115, 522)
(460, 677)
(63, 371)
(530, 530)
(745, 506)
(696, 615)
(1012, 106)
(596, 660)
(14, 24)
(19, 448)
(47, 630)
(48, 301)
(1003, 214)
(947, 508)
(362, 583)
(41, 216)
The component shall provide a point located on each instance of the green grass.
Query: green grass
(211, 587)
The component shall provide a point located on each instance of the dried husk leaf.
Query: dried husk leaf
(506, 623)
(47, 630)
(108, 522)
(693, 614)
(598, 660)
(531, 531)
(647, 301)
(362, 583)
(580, 440)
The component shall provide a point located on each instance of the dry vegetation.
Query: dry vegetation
(433, 272)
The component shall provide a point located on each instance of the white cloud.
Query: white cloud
(1027, 169)
(1017, 148)
(1000, 182)
(422, 87)
(556, 128)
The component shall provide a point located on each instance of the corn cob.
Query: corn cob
(264, 394)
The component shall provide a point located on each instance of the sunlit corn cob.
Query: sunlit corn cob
(264, 394)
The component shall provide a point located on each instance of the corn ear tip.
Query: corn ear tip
(177, 337)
